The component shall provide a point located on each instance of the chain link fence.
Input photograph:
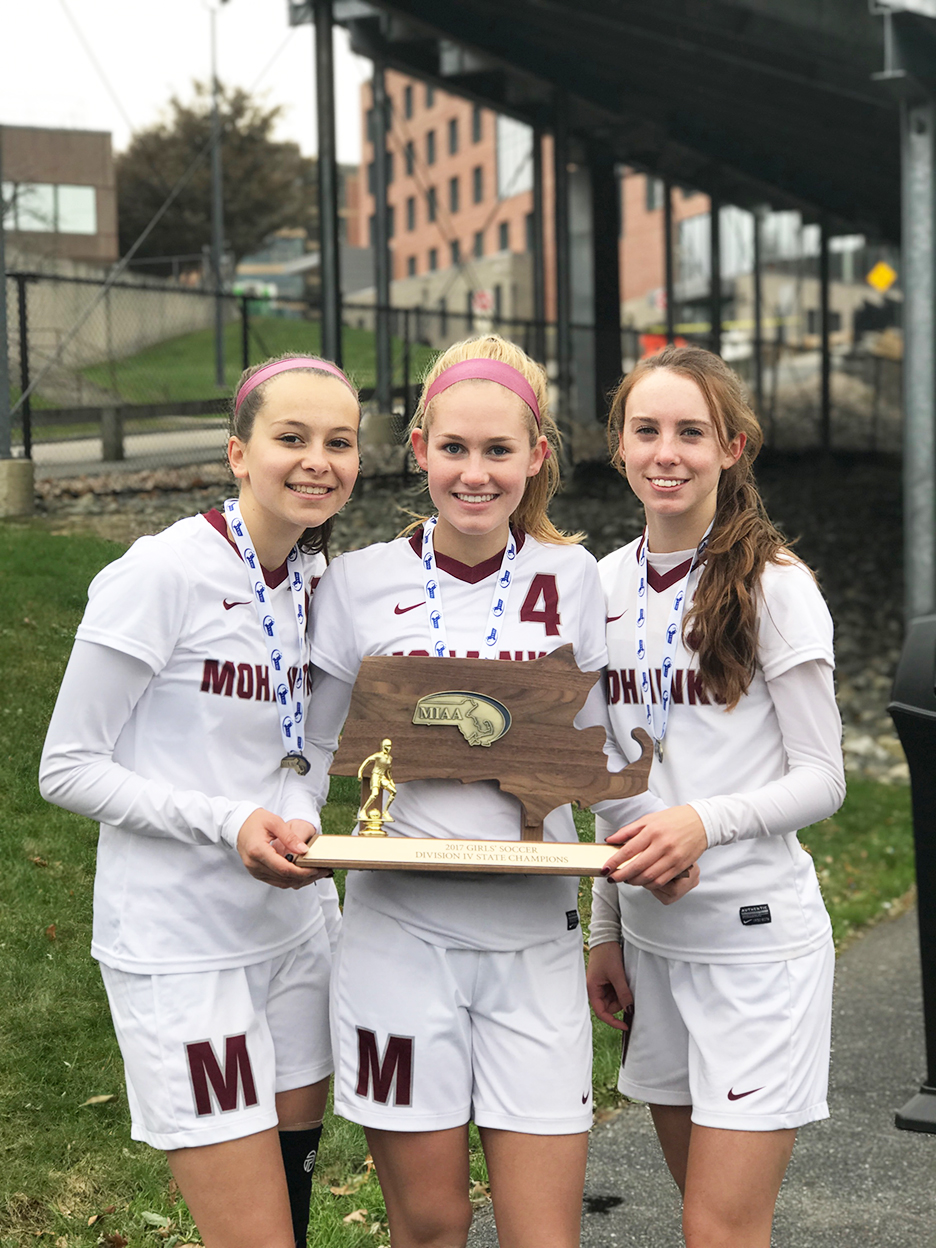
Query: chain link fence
(138, 384)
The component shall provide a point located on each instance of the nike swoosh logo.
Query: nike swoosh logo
(398, 610)
(228, 605)
(585, 1096)
(609, 619)
(737, 1096)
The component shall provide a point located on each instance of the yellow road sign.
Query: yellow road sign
(882, 277)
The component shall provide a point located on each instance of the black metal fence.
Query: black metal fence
(136, 381)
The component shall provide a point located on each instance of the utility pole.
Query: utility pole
(329, 243)
(217, 201)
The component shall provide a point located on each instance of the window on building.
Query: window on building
(455, 247)
(411, 266)
(407, 102)
(478, 248)
(476, 124)
(430, 96)
(453, 195)
(372, 229)
(42, 208)
(503, 236)
(409, 155)
(389, 167)
(369, 124)
(430, 147)
(391, 221)
(411, 213)
(453, 135)
(477, 184)
(433, 259)
(688, 192)
(498, 301)
(654, 194)
(431, 204)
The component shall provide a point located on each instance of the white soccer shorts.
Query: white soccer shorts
(746, 1045)
(206, 1052)
(426, 1038)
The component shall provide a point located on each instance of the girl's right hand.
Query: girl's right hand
(265, 860)
(608, 989)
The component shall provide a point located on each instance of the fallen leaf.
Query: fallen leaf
(155, 1219)
(110, 1209)
(38, 862)
(94, 1217)
(115, 1240)
(173, 1191)
(101, 1100)
(61, 1242)
(605, 1115)
(376, 1227)
(50, 931)
(359, 1215)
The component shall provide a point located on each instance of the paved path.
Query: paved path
(167, 448)
(855, 1181)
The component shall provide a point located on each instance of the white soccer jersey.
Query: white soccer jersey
(170, 899)
(758, 899)
(372, 602)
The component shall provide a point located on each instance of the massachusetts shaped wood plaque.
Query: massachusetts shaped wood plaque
(473, 719)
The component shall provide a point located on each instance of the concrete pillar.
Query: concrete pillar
(16, 487)
(918, 262)
(112, 447)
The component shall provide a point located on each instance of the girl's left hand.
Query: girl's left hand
(657, 847)
(306, 832)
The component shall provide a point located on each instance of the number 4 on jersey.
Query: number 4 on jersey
(542, 588)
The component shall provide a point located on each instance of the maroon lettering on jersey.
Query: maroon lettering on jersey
(217, 679)
(263, 682)
(543, 586)
(205, 1070)
(397, 1063)
(612, 687)
(695, 689)
(245, 680)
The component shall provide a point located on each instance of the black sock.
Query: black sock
(299, 1150)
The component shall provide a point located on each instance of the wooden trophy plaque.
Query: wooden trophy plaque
(467, 720)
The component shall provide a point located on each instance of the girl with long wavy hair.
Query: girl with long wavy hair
(720, 645)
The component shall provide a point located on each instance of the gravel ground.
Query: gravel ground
(844, 512)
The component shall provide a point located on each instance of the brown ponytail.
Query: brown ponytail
(722, 623)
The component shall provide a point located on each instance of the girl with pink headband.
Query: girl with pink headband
(459, 997)
(180, 726)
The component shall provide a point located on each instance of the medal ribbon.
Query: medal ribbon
(434, 615)
(290, 706)
(670, 643)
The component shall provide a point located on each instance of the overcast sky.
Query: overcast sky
(149, 51)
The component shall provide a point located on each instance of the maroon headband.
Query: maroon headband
(486, 370)
(283, 366)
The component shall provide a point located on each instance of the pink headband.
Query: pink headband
(283, 366)
(486, 370)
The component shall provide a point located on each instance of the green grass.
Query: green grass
(182, 368)
(64, 1162)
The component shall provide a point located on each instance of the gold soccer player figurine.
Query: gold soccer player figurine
(373, 814)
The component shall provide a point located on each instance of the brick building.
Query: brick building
(460, 198)
(61, 192)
